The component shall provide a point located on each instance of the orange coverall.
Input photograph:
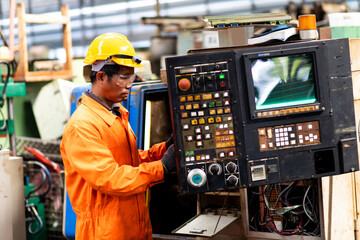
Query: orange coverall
(106, 175)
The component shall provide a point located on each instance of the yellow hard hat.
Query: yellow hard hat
(112, 47)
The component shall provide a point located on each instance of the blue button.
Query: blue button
(197, 179)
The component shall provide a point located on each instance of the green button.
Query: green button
(230, 125)
(211, 104)
(219, 103)
(224, 119)
(191, 153)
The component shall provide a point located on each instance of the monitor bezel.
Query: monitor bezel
(248, 57)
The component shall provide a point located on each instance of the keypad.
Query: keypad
(207, 125)
(278, 137)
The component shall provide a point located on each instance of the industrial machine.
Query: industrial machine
(259, 115)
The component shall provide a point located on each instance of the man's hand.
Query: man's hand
(168, 160)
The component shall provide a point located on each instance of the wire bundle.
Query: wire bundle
(294, 204)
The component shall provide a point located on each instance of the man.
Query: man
(106, 175)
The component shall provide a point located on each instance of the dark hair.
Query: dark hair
(109, 70)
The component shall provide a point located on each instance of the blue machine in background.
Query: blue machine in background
(135, 104)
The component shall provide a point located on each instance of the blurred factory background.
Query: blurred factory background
(90, 18)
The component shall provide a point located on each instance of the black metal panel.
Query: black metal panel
(303, 140)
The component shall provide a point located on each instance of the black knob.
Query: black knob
(215, 168)
(233, 180)
(197, 82)
(231, 167)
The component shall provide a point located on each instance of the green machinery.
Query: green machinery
(8, 90)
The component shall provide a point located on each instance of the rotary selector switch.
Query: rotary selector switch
(233, 180)
(231, 167)
(184, 84)
(196, 177)
(197, 81)
(215, 169)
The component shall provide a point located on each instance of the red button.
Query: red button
(184, 84)
(222, 85)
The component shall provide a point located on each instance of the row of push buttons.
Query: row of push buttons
(191, 106)
(287, 111)
(230, 153)
(190, 156)
(210, 120)
(217, 111)
(204, 96)
(198, 137)
(197, 158)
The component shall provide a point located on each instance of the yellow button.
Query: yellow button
(188, 106)
(182, 107)
(207, 96)
(196, 106)
(182, 99)
(198, 158)
(190, 98)
(218, 119)
(212, 112)
(197, 97)
(194, 122)
(184, 115)
(211, 120)
(227, 110)
(220, 111)
(202, 121)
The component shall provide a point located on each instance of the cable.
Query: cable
(31, 208)
(38, 187)
(278, 198)
(222, 209)
(48, 176)
(304, 206)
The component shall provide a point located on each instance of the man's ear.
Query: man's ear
(100, 76)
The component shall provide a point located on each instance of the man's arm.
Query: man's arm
(89, 156)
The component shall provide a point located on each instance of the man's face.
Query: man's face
(117, 88)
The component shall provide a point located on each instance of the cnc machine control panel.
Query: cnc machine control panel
(264, 114)
(203, 115)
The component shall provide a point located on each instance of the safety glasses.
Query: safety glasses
(135, 59)
(127, 78)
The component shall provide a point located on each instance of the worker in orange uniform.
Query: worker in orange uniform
(106, 175)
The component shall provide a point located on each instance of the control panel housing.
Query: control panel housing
(259, 115)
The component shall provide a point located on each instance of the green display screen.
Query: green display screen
(283, 81)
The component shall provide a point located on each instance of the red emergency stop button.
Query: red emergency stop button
(184, 84)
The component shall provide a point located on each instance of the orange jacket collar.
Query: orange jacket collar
(101, 111)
